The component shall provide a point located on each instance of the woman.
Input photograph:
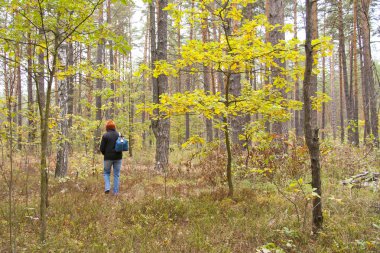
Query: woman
(111, 157)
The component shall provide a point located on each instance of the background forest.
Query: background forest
(253, 125)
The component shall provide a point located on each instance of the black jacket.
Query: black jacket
(107, 146)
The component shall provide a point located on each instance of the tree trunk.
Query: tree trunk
(99, 81)
(65, 102)
(189, 81)
(341, 91)
(367, 123)
(237, 122)
(324, 91)
(332, 93)
(314, 78)
(227, 140)
(367, 68)
(31, 134)
(70, 85)
(342, 52)
(63, 99)
(206, 80)
(41, 78)
(276, 17)
(355, 80)
(111, 110)
(160, 127)
(311, 135)
(19, 97)
(144, 81)
(297, 118)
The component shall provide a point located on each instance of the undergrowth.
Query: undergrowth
(186, 209)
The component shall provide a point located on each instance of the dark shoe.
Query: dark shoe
(107, 192)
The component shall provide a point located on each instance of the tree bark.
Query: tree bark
(160, 126)
(206, 80)
(63, 99)
(31, 134)
(111, 110)
(297, 117)
(367, 68)
(19, 97)
(99, 81)
(237, 122)
(342, 52)
(324, 91)
(355, 80)
(276, 17)
(332, 93)
(341, 91)
(367, 123)
(311, 135)
(314, 77)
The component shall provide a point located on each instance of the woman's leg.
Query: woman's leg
(107, 174)
(116, 175)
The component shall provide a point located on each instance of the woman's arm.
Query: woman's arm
(103, 144)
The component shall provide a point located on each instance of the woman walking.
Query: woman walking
(111, 157)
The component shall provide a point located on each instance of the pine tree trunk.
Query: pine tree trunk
(342, 52)
(367, 68)
(341, 91)
(355, 80)
(332, 94)
(324, 91)
(367, 123)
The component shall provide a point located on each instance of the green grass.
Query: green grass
(192, 216)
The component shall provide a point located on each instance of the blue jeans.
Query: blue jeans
(116, 173)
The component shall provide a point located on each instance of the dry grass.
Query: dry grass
(187, 210)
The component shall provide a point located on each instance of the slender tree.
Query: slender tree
(310, 128)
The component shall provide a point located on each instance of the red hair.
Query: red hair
(110, 125)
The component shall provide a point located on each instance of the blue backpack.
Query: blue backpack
(121, 144)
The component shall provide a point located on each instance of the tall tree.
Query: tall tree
(30, 89)
(355, 87)
(19, 94)
(332, 94)
(62, 148)
(160, 126)
(342, 52)
(277, 17)
(310, 128)
(367, 72)
(207, 78)
(297, 114)
(99, 80)
(111, 110)
(314, 77)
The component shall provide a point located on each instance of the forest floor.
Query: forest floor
(187, 209)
